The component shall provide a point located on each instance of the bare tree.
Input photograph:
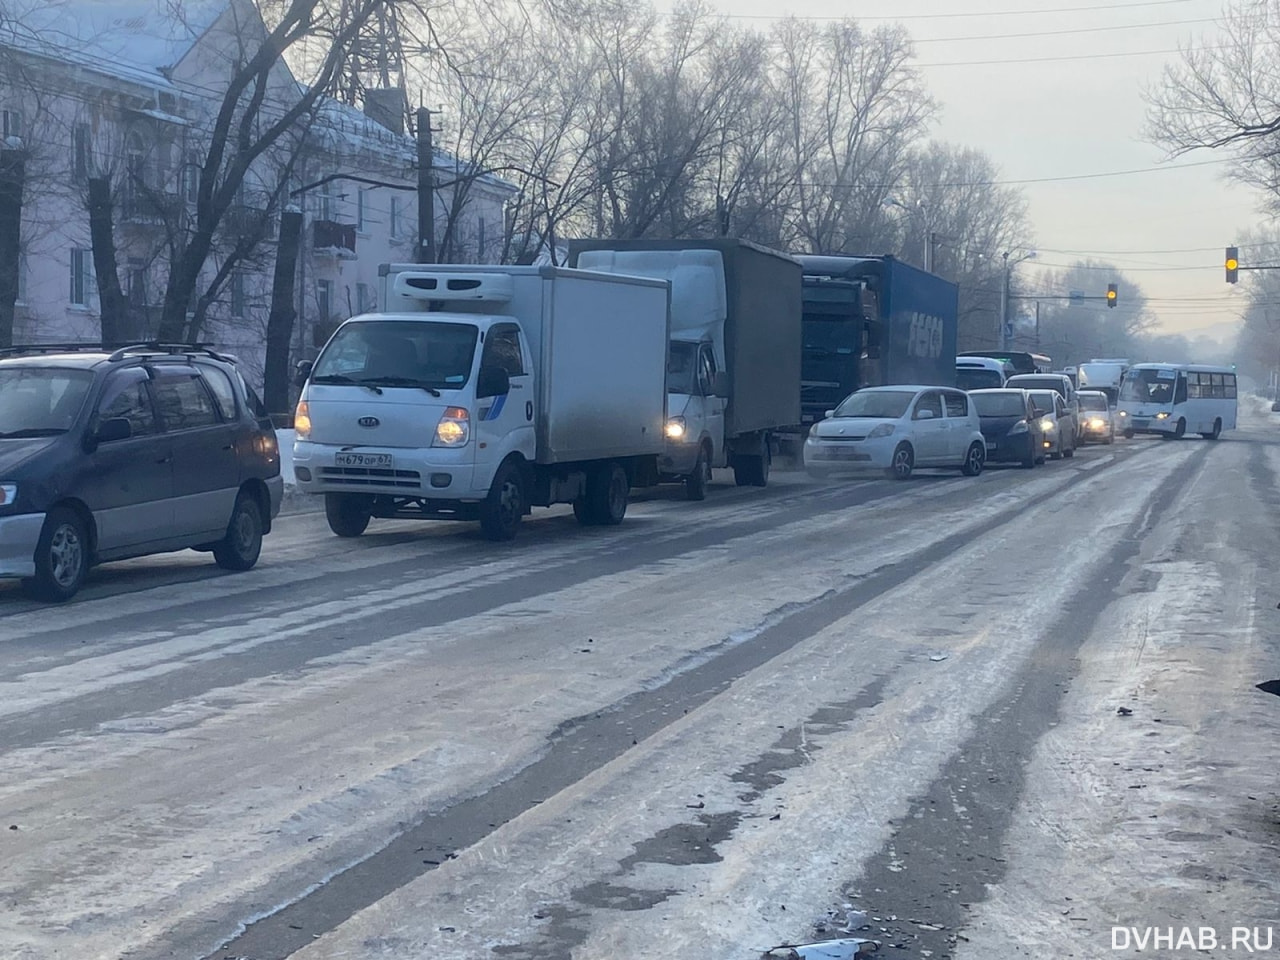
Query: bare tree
(1225, 95)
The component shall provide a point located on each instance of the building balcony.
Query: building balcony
(333, 239)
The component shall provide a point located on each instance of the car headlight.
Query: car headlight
(1019, 427)
(1122, 413)
(8, 493)
(302, 420)
(813, 431)
(675, 428)
(1163, 415)
(1047, 424)
(1097, 423)
(454, 428)
(884, 430)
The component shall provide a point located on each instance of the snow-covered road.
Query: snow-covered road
(688, 736)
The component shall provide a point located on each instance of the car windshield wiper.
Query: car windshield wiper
(341, 378)
(32, 432)
(401, 382)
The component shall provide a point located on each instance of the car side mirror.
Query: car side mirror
(116, 428)
(492, 382)
(829, 414)
(924, 414)
(302, 370)
(720, 384)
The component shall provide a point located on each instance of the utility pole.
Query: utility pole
(426, 245)
(1037, 324)
(1002, 339)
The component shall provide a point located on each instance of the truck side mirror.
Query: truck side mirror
(302, 370)
(492, 382)
(720, 384)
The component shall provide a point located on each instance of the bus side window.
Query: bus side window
(1180, 391)
(1193, 386)
(1219, 389)
(1229, 385)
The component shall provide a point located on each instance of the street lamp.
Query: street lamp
(1005, 334)
(929, 238)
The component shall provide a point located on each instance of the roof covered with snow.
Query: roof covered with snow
(142, 36)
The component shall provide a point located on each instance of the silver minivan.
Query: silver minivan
(1060, 384)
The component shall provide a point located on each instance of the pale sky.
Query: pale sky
(1042, 118)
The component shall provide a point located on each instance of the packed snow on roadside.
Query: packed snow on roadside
(285, 439)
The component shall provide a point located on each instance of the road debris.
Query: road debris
(1124, 712)
(846, 949)
(937, 657)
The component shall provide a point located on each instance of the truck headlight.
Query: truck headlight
(302, 420)
(1122, 413)
(454, 428)
(883, 430)
(1162, 415)
(675, 428)
(8, 493)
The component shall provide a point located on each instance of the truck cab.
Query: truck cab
(695, 412)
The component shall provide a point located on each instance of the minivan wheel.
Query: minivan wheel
(348, 513)
(904, 460)
(974, 460)
(241, 547)
(61, 557)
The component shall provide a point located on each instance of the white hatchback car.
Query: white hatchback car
(897, 429)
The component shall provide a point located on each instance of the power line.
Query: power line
(1010, 183)
(954, 16)
(1068, 32)
(1082, 56)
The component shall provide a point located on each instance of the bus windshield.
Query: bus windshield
(1148, 386)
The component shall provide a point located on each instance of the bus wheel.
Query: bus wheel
(1217, 430)
(1180, 430)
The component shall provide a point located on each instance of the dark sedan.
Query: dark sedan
(1011, 425)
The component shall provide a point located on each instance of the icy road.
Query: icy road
(1001, 717)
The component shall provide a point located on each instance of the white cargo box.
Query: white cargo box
(598, 343)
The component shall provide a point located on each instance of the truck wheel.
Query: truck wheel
(61, 557)
(1069, 452)
(1128, 434)
(503, 509)
(752, 469)
(696, 483)
(605, 503)
(348, 513)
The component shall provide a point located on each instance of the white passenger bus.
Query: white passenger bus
(1174, 399)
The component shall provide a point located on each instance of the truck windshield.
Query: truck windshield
(1148, 386)
(880, 404)
(682, 367)
(977, 378)
(40, 401)
(1000, 404)
(399, 353)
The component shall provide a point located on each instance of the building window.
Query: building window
(361, 224)
(324, 299)
(81, 155)
(81, 276)
(324, 203)
(394, 228)
(12, 123)
(237, 296)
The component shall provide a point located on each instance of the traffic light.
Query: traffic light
(1233, 264)
(1112, 294)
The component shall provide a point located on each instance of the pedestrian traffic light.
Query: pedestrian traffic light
(1112, 294)
(1233, 264)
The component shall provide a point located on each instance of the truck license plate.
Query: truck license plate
(362, 460)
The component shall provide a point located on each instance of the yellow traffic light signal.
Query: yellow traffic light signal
(1112, 294)
(1233, 264)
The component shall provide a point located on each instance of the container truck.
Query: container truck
(872, 321)
(477, 392)
(733, 376)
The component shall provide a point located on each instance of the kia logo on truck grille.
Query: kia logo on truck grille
(368, 421)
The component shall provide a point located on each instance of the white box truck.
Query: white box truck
(477, 392)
